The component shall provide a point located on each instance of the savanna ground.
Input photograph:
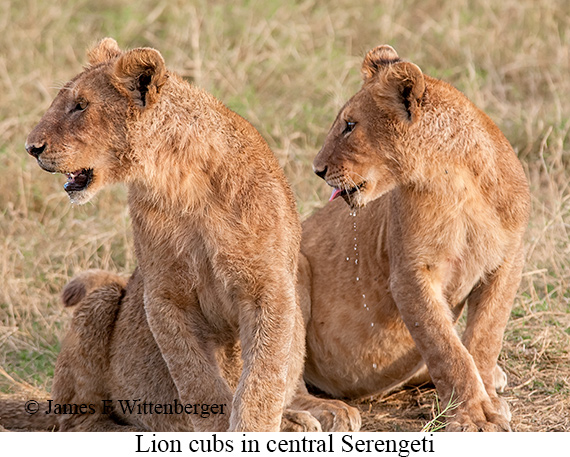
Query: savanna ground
(288, 69)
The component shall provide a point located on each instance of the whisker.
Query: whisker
(362, 179)
(352, 187)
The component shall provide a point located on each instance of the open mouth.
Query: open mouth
(78, 180)
(347, 193)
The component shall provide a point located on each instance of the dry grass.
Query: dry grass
(288, 69)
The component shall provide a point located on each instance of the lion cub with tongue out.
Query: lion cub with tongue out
(217, 237)
(442, 204)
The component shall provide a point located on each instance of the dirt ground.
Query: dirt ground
(409, 410)
(534, 396)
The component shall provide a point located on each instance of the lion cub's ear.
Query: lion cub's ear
(140, 74)
(400, 89)
(377, 60)
(398, 86)
(106, 49)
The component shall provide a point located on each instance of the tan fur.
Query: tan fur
(216, 237)
(13, 416)
(109, 353)
(440, 205)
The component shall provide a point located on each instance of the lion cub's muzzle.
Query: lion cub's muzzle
(350, 192)
(77, 180)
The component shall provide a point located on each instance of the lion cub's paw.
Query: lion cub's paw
(337, 416)
(467, 425)
(299, 421)
(502, 407)
(485, 417)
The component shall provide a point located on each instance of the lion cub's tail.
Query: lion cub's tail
(76, 290)
(26, 415)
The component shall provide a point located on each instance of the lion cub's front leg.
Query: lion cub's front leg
(273, 349)
(489, 307)
(190, 357)
(452, 368)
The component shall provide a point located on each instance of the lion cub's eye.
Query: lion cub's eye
(349, 127)
(80, 105)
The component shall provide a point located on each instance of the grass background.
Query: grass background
(288, 67)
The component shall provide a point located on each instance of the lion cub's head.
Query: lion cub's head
(357, 158)
(84, 133)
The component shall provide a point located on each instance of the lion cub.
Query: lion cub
(215, 225)
(441, 204)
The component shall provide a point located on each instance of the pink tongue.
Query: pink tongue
(335, 193)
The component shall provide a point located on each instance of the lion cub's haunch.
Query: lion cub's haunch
(215, 226)
(442, 204)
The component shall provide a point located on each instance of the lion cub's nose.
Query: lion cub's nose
(34, 149)
(320, 173)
